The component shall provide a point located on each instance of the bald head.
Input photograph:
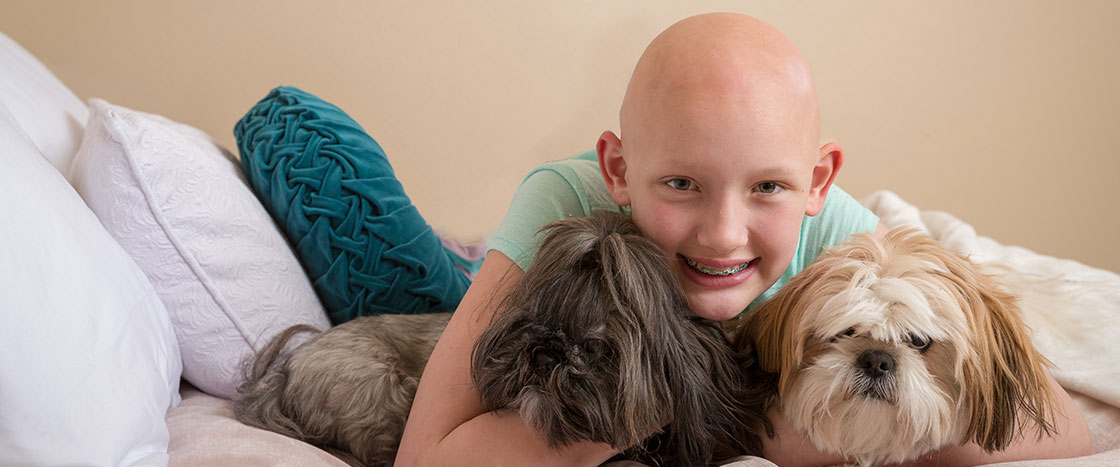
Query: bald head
(721, 62)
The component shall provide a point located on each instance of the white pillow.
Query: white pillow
(88, 359)
(47, 111)
(180, 205)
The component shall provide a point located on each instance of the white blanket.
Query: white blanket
(1073, 309)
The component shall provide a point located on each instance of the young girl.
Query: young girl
(719, 164)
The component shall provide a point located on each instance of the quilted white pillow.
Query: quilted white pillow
(88, 359)
(179, 204)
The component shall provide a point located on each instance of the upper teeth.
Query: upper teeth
(717, 272)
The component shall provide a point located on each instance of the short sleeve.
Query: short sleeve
(840, 218)
(545, 196)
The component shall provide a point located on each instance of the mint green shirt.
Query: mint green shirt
(574, 188)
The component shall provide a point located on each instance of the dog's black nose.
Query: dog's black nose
(875, 363)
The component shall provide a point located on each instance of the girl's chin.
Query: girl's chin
(715, 308)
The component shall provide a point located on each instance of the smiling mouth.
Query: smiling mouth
(717, 271)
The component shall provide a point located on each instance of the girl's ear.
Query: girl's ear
(831, 157)
(613, 167)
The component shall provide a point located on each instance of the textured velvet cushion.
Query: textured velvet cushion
(330, 187)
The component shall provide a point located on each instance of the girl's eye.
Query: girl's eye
(768, 187)
(680, 184)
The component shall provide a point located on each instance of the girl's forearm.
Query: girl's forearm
(503, 438)
(1072, 439)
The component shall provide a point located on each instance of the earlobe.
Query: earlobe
(831, 157)
(613, 167)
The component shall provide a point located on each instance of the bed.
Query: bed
(122, 348)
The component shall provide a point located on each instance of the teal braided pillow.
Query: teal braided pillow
(330, 187)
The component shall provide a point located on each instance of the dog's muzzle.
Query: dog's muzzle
(877, 371)
(875, 364)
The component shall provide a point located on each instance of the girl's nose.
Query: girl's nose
(723, 228)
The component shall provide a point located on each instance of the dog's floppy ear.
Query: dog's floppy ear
(699, 382)
(774, 327)
(722, 395)
(643, 291)
(678, 369)
(1005, 375)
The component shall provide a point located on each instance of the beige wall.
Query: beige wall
(1003, 113)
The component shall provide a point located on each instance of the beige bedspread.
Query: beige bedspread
(205, 434)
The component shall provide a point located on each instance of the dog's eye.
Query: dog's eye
(594, 347)
(847, 333)
(919, 342)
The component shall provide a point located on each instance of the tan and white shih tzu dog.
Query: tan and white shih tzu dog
(889, 348)
(594, 343)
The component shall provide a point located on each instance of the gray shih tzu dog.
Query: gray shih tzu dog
(595, 343)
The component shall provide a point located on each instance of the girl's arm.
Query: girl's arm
(1071, 440)
(793, 448)
(448, 424)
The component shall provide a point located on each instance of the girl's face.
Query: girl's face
(723, 194)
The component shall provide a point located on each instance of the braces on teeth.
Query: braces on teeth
(716, 272)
